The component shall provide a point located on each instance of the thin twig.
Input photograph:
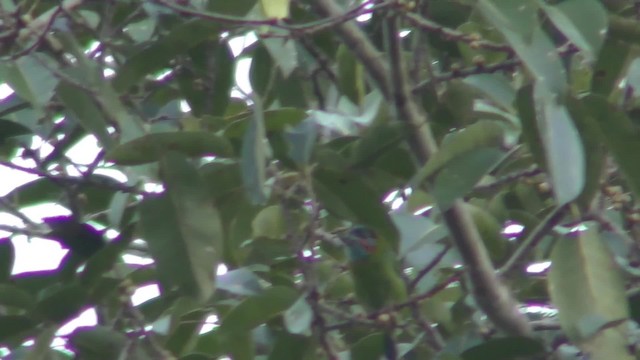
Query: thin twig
(543, 228)
(430, 266)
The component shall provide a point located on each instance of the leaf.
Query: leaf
(562, 145)
(10, 129)
(302, 140)
(186, 330)
(276, 9)
(97, 194)
(7, 258)
(368, 347)
(240, 281)
(269, 223)
(13, 296)
(98, 342)
(376, 142)
(61, 303)
(458, 177)
(157, 55)
(30, 78)
(85, 112)
(152, 147)
(483, 134)
(15, 325)
(283, 51)
(290, 347)
(582, 273)
(351, 79)
(258, 309)
(348, 196)
(610, 66)
(275, 120)
(298, 318)
(517, 22)
(183, 230)
(255, 155)
(620, 136)
(235, 8)
(505, 348)
(594, 151)
(584, 23)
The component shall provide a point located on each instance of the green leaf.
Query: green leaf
(483, 134)
(562, 145)
(620, 136)
(611, 66)
(376, 142)
(283, 52)
(349, 196)
(157, 55)
(583, 22)
(235, 8)
(582, 271)
(30, 78)
(15, 325)
(85, 112)
(505, 348)
(13, 296)
(302, 140)
(183, 230)
(7, 258)
(152, 147)
(517, 22)
(290, 347)
(45, 190)
(184, 334)
(255, 155)
(275, 120)
(61, 303)
(262, 72)
(369, 347)
(269, 223)
(458, 177)
(594, 151)
(9, 129)
(240, 281)
(98, 342)
(298, 318)
(257, 310)
(351, 79)
(277, 9)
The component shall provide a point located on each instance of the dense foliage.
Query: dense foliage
(241, 140)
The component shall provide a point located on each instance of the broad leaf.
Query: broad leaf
(183, 230)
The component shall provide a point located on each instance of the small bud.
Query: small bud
(474, 37)
(384, 318)
(544, 187)
(478, 60)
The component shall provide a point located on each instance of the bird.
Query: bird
(376, 279)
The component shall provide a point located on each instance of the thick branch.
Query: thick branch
(490, 294)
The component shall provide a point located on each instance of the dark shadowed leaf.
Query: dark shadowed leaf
(505, 349)
(156, 56)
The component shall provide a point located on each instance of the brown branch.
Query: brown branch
(455, 35)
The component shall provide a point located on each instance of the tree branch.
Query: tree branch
(490, 294)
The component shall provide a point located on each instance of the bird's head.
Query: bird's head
(361, 242)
